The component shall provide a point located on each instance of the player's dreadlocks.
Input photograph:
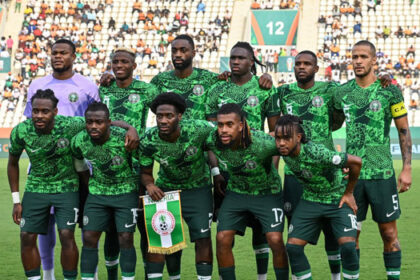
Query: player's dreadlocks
(169, 98)
(98, 106)
(229, 108)
(45, 94)
(288, 124)
(248, 47)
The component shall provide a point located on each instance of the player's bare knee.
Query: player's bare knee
(202, 244)
(90, 239)
(274, 239)
(28, 239)
(223, 240)
(346, 239)
(66, 238)
(125, 239)
(389, 236)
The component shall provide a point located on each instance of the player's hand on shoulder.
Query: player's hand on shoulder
(224, 76)
(265, 81)
(132, 139)
(219, 183)
(385, 79)
(17, 213)
(155, 192)
(106, 79)
(348, 199)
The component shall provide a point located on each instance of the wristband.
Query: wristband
(215, 171)
(15, 197)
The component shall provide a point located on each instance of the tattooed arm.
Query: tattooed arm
(404, 180)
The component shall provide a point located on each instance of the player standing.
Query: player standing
(325, 197)
(53, 181)
(113, 194)
(128, 100)
(243, 89)
(369, 111)
(254, 187)
(178, 146)
(75, 93)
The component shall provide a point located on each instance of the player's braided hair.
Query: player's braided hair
(288, 124)
(248, 47)
(229, 108)
(169, 98)
(98, 106)
(45, 94)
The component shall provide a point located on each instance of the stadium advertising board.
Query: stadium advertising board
(274, 28)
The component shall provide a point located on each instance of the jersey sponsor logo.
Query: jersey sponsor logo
(287, 206)
(398, 110)
(117, 160)
(318, 101)
(253, 101)
(198, 90)
(73, 97)
(22, 222)
(163, 222)
(134, 98)
(336, 160)
(85, 220)
(63, 143)
(191, 151)
(250, 164)
(375, 106)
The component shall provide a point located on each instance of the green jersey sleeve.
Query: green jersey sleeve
(327, 157)
(145, 152)
(212, 105)
(16, 141)
(396, 102)
(75, 148)
(272, 104)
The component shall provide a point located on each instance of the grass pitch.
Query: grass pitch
(371, 264)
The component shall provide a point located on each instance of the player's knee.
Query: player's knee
(28, 239)
(202, 244)
(90, 239)
(125, 239)
(66, 238)
(223, 240)
(349, 255)
(294, 251)
(389, 235)
(274, 239)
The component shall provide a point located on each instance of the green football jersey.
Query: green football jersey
(257, 103)
(112, 171)
(314, 107)
(251, 170)
(129, 104)
(52, 169)
(183, 164)
(319, 170)
(369, 113)
(194, 89)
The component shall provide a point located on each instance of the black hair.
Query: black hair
(248, 47)
(311, 53)
(169, 98)
(229, 108)
(65, 41)
(185, 37)
(45, 94)
(97, 106)
(289, 124)
(369, 44)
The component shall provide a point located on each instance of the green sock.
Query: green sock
(393, 264)
(350, 261)
(262, 253)
(33, 274)
(204, 270)
(298, 261)
(227, 273)
(282, 273)
(154, 270)
(173, 265)
(334, 260)
(70, 274)
(358, 253)
(111, 264)
(88, 262)
(128, 259)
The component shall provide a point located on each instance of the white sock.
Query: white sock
(262, 276)
(335, 276)
(48, 274)
(175, 277)
(34, 278)
(96, 276)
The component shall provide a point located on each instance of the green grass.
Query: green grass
(371, 265)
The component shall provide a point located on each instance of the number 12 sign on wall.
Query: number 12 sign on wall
(270, 27)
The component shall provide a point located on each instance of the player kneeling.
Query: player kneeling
(325, 197)
(113, 191)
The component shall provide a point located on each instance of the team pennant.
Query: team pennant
(164, 227)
